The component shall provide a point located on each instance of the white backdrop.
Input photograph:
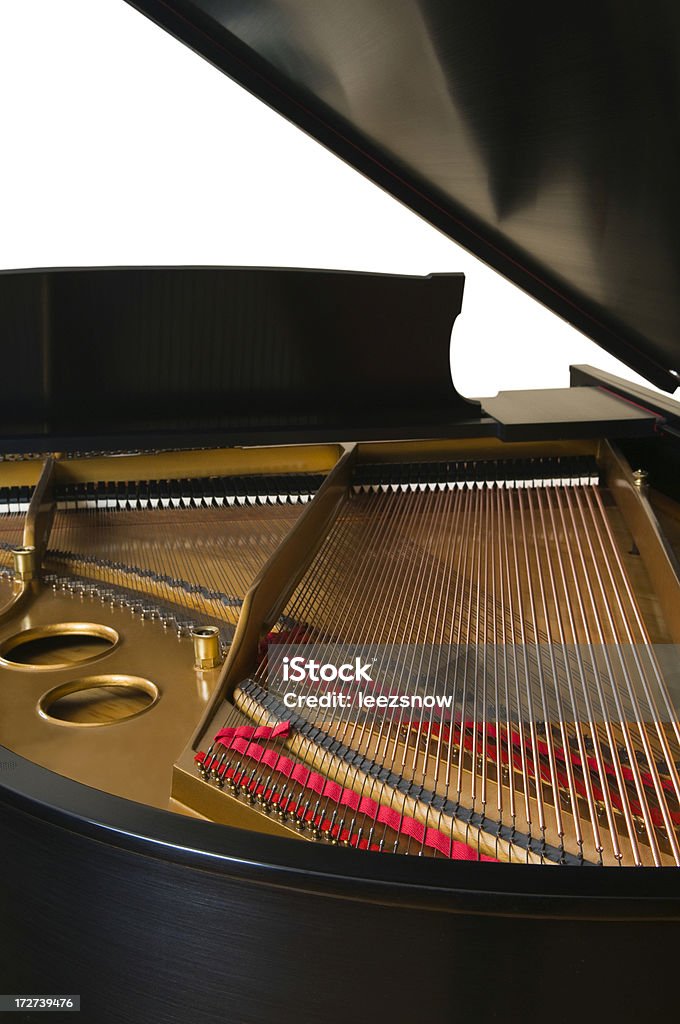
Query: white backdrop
(120, 146)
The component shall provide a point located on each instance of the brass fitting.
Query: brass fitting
(206, 647)
(25, 563)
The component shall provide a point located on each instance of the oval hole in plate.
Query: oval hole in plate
(57, 645)
(98, 700)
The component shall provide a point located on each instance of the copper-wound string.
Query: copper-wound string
(450, 530)
(413, 590)
(622, 712)
(561, 598)
(670, 710)
(498, 581)
(581, 635)
(349, 611)
(637, 711)
(579, 529)
(359, 626)
(546, 716)
(517, 581)
(419, 635)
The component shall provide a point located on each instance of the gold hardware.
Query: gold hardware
(24, 562)
(206, 647)
(641, 479)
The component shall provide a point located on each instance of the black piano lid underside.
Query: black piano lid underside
(544, 142)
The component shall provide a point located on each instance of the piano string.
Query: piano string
(511, 597)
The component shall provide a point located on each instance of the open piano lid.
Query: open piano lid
(547, 151)
(544, 142)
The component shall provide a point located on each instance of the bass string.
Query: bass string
(461, 546)
(545, 716)
(448, 531)
(517, 581)
(601, 638)
(357, 625)
(461, 637)
(361, 572)
(299, 608)
(433, 631)
(492, 571)
(612, 636)
(578, 624)
(505, 627)
(515, 625)
(445, 614)
(647, 648)
(397, 613)
(554, 621)
(554, 615)
(528, 581)
(412, 606)
(424, 592)
(315, 602)
(539, 560)
(325, 584)
(479, 589)
(501, 697)
(477, 761)
(642, 639)
(489, 634)
(377, 606)
(221, 760)
(484, 638)
(324, 571)
(463, 603)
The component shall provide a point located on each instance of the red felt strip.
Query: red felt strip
(325, 788)
(562, 779)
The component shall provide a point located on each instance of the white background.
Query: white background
(121, 146)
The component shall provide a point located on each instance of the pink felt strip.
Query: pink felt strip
(232, 739)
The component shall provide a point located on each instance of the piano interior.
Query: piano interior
(510, 610)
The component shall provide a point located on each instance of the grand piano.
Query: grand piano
(313, 672)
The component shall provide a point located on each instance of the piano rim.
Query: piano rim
(145, 835)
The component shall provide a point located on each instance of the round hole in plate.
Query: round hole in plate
(57, 645)
(98, 700)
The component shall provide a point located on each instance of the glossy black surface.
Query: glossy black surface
(567, 413)
(155, 917)
(199, 355)
(546, 141)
